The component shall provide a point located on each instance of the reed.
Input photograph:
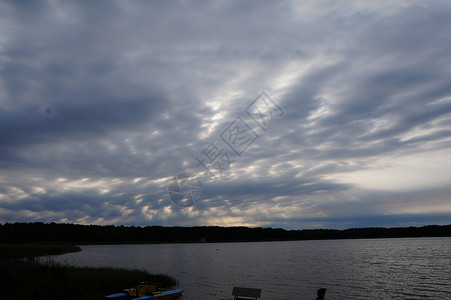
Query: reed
(32, 277)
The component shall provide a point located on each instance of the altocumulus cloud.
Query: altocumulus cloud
(103, 102)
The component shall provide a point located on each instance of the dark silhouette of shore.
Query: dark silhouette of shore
(74, 233)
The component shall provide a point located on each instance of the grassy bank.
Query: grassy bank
(31, 278)
(13, 251)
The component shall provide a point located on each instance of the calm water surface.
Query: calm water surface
(413, 268)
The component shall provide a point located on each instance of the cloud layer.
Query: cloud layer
(102, 103)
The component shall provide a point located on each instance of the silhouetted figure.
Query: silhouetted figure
(321, 293)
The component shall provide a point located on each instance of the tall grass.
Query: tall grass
(43, 278)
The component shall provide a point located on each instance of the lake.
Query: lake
(407, 268)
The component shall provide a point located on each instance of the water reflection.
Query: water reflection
(414, 268)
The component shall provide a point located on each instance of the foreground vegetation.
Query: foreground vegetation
(31, 277)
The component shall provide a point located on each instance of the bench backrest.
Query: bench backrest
(246, 292)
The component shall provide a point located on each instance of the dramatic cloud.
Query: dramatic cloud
(102, 103)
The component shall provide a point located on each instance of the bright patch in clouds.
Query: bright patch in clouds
(409, 172)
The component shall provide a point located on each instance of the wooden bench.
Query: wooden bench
(248, 293)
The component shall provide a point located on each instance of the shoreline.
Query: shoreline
(54, 233)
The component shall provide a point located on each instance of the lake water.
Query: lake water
(409, 268)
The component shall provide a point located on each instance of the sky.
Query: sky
(291, 114)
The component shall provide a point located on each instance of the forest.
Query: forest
(97, 234)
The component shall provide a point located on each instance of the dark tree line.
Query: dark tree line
(73, 233)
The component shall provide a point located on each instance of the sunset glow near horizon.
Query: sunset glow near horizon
(102, 103)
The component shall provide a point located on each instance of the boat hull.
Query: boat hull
(118, 296)
(164, 295)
